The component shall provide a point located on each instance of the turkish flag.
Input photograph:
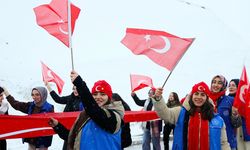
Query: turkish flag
(140, 81)
(240, 97)
(53, 17)
(161, 47)
(50, 76)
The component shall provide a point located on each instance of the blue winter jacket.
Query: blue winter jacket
(180, 137)
(93, 138)
(44, 141)
(224, 108)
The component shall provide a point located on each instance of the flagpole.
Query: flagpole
(69, 31)
(176, 64)
(130, 82)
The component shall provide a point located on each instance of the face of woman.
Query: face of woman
(171, 97)
(100, 98)
(216, 85)
(199, 98)
(75, 91)
(232, 88)
(36, 96)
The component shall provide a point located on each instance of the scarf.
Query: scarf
(198, 133)
(216, 96)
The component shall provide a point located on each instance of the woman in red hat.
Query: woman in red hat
(197, 127)
(99, 125)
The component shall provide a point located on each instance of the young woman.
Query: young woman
(243, 138)
(99, 125)
(72, 102)
(197, 127)
(151, 129)
(38, 105)
(173, 101)
(223, 105)
(4, 107)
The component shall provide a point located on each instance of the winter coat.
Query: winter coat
(126, 135)
(73, 103)
(224, 108)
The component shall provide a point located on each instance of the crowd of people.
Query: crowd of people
(204, 120)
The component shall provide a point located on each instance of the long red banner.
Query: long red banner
(13, 126)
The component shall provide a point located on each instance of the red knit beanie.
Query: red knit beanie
(102, 86)
(201, 87)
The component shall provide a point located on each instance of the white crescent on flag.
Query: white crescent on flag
(166, 47)
(242, 92)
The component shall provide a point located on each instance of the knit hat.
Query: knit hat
(223, 80)
(236, 81)
(200, 87)
(102, 86)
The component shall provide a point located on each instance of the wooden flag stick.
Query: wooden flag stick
(69, 32)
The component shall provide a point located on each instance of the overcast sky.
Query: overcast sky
(221, 29)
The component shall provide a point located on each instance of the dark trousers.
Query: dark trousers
(3, 145)
(166, 132)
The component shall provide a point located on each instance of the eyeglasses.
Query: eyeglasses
(37, 94)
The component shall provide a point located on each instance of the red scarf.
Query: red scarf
(216, 96)
(198, 133)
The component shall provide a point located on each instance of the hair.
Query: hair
(117, 97)
(176, 100)
(236, 81)
(207, 109)
(1, 90)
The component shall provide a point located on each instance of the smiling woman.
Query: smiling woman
(39, 105)
(197, 126)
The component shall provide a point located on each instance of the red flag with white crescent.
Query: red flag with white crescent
(53, 17)
(240, 97)
(140, 81)
(242, 100)
(50, 76)
(161, 47)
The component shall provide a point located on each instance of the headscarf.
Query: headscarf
(43, 93)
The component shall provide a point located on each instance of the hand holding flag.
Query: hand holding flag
(50, 76)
